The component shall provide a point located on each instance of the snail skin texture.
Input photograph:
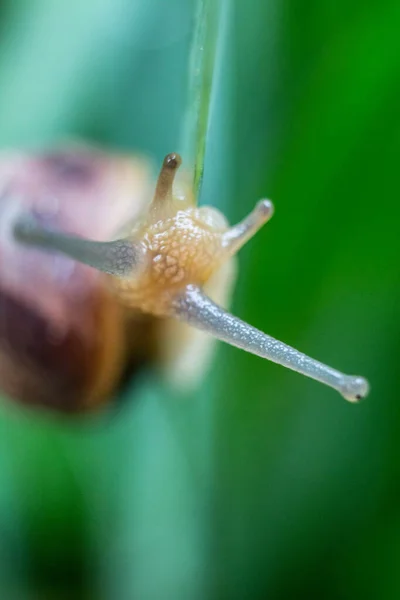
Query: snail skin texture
(164, 265)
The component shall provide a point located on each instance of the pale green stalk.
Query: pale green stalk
(201, 70)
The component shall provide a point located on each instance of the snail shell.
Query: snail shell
(64, 338)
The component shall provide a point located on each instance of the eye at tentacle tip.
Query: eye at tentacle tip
(172, 161)
(28, 228)
(354, 388)
(265, 208)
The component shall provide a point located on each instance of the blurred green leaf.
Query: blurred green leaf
(262, 483)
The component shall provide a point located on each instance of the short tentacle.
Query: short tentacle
(238, 235)
(196, 309)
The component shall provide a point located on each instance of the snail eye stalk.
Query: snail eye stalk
(163, 195)
(119, 258)
(196, 309)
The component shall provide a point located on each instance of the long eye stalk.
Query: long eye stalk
(118, 258)
(163, 192)
(195, 308)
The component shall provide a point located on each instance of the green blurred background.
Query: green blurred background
(261, 484)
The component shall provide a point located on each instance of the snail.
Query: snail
(164, 262)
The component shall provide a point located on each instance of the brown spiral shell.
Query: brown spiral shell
(63, 337)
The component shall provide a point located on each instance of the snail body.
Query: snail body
(163, 265)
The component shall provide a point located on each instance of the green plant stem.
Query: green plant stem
(201, 70)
